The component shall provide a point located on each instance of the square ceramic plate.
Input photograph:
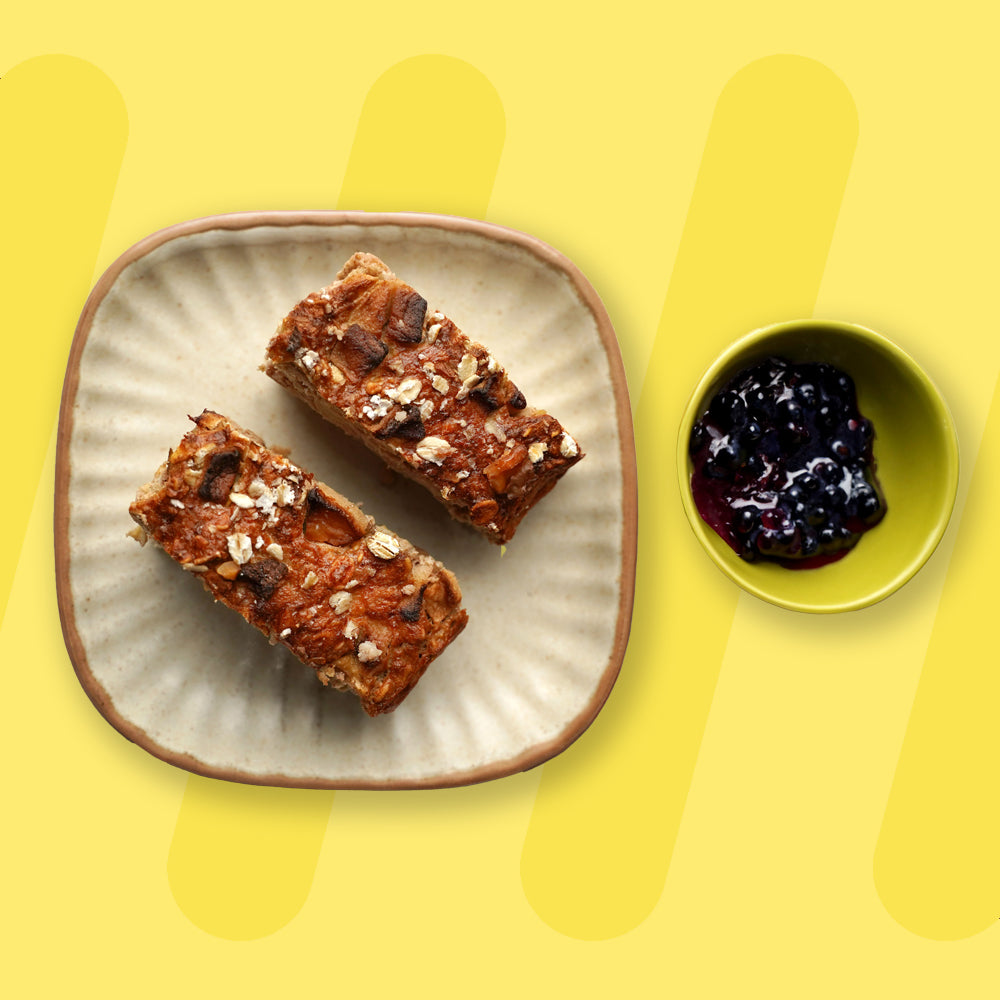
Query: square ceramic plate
(179, 324)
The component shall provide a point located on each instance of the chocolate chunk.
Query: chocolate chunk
(326, 522)
(217, 483)
(361, 351)
(410, 611)
(406, 423)
(263, 576)
(486, 392)
(517, 400)
(406, 318)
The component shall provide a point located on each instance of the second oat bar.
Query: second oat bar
(366, 353)
(362, 606)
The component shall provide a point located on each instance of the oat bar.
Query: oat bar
(367, 355)
(364, 607)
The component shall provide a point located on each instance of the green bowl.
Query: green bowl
(916, 453)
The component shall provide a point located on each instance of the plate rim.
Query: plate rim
(237, 221)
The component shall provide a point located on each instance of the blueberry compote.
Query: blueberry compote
(783, 465)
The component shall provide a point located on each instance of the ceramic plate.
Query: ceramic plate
(179, 324)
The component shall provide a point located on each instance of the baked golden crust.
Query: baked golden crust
(367, 355)
(368, 610)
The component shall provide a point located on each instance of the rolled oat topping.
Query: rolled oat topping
(284, 494)
(568, 448)
(340, 601)
(407, 391)
(240, 547)
(368, 652)
(433, 449)
(290, 578)
(383, 545)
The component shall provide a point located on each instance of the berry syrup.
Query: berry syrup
(783, 464)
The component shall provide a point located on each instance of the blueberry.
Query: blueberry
(752, 431)
(699, 437)
(745, 520)
(809, 542)
(827, 471)
(842, 449)
(833, 497)
(793, 434)
(866, 501)
(789, 410)
(805, 392)
(808, 483)
(794, 492)
(727, 455)
(817, 516)
(754, 467)
(758, 400)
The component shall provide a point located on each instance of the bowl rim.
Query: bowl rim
(721, 367)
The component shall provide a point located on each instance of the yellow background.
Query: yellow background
(771, 804)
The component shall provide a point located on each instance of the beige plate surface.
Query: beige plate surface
(180, 323)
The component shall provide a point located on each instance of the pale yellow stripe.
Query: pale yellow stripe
(937, 861)
(753, 250)
(429, 139)
(242, 857)
(64, 129)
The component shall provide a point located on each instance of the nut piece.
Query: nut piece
(326, 521)
(310, 581)
(139, 534)
(536, 451)
(241, 500)
(228, 570)
(467, 366)
(383, 545)
(307, 359)
(499, 473)
(276, 551)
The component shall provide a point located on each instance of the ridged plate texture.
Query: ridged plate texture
(181, 323)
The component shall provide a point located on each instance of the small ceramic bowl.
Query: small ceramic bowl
(916, 454)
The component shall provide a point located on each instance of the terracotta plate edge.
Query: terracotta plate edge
(532, 757)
